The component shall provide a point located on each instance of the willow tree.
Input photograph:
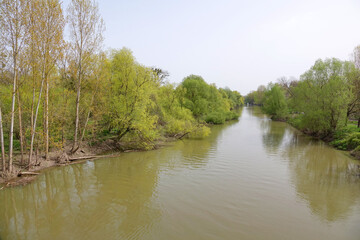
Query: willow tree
(275, 102)
(323, 96)
(130, 102)
(86, 31)
(14, 26)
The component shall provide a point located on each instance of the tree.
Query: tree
(275, 102)
(2, 143)
(48, 26)
(250, 98)
(287, 84)
(130, 103)
(322, 95)
(352, 78)
(354, 106)
(14, 26)
(197, 94)
(86, 28)
(259, 95)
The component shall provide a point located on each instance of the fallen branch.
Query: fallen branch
(183, 135)
(82, 158)
(28, 173)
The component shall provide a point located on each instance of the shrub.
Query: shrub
(215, 118)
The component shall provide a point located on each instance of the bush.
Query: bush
(215, 118)
(231, 116)
(296, 121)
(350, 142)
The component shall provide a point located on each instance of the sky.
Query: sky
(233, 43)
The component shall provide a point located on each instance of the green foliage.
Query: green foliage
(215, 118)
(350, 142)
(207, 102)
(275, 102)
(200, 132)
(131, 98)
(347, 137)
(322, 95)
(231, 116)
(296, 121)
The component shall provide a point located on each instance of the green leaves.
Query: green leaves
(275, 102)
(322, 95)
(207, 102)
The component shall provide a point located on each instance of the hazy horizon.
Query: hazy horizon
(239, 44)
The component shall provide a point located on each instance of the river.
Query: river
(250, 179)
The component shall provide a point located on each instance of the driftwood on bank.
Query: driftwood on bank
(82, 158)
(27, 173)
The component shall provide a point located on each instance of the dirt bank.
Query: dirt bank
(22, 175)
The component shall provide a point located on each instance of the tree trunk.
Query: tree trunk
(359, 122)
(47, 120)
(20, 129)
(11, 137)
(34, 126)
(87, 118)
(2, 144)
(75, 146)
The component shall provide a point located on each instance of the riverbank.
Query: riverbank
(345, 138)
(248, 169)
(61, 157)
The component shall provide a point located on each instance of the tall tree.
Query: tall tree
(86, 29)
(47, 26)
(14, 26)
(322, 95)
(2, 144)
(356, 83)
(275, 102)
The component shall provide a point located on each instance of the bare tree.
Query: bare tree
(86, 27)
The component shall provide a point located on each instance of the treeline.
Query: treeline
(324, 102)
(55, 92)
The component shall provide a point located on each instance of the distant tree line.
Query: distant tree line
(324, 102)
(55, 93)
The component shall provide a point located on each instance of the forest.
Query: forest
(61, 94)
(324, 102)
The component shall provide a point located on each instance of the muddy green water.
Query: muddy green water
(251, 179)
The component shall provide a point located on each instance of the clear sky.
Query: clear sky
(234, 43)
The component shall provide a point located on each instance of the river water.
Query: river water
(250, 179)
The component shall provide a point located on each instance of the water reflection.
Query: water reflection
(103, 199)
(324, 178)
(272, 135)
(77, 201)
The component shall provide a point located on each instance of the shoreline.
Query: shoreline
(22, 176)
(353, 153)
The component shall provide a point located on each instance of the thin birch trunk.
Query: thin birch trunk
(34, 126)
(75, 146)
(87, 118)
(20, 129)
(2, 144)
(12, 120)
(47, 120)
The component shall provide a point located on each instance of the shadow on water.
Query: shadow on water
(113, 198)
